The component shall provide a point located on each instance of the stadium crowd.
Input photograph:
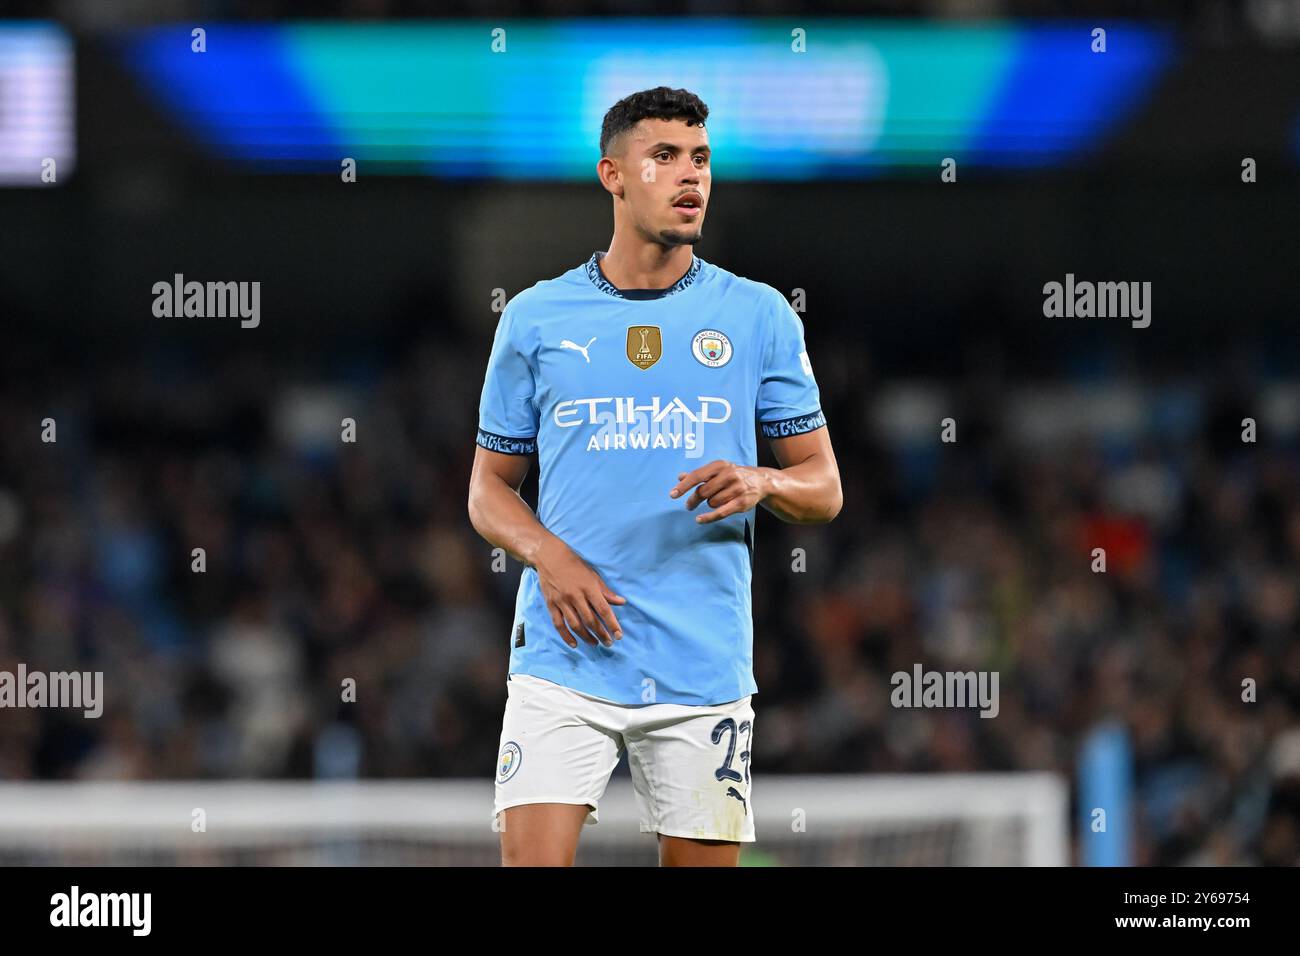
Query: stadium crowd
(326, 560)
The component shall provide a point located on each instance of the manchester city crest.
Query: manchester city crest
(509, 761)
(711, 347)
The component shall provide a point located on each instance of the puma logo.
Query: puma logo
(733, 792)
(566, 344)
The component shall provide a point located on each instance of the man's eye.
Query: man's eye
(665, 155)
(701, 160)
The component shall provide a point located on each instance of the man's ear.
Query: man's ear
(611, 176)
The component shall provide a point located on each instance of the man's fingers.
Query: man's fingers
(578, 617)
(585, 612)
(725, 496)
(606, 615)
(558, 620)
(608, 593)
(689, 479)
(592, 622)
(573, 619)
(570, 620)
(719, 484)
(685, 479)
(730, 508)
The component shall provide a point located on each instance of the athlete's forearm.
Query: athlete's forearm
(503, 518)
(806, 493)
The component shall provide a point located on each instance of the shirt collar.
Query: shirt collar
(604, 285)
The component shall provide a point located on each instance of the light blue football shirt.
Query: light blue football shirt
(617, 392)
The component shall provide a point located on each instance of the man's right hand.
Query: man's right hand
(576, 596)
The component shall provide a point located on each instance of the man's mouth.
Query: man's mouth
(689, 204)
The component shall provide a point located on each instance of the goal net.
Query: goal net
(905, 820)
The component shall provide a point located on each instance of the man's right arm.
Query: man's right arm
(574, 593)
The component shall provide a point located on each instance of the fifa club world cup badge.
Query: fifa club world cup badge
(644, 345)
(711, 347)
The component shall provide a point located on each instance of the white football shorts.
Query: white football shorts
(689, 763)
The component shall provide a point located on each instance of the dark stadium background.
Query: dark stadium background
(328, 561)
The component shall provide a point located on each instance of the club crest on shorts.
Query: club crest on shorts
(509, 761)
(645, 344)
(711, 347)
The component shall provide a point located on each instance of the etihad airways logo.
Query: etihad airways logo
(622, 423)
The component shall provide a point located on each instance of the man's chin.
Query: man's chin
(679, 237)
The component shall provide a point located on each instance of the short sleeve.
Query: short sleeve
(789, 402)
(507, 417)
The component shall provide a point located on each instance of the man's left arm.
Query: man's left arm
(805, 489)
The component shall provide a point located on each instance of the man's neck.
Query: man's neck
(645, 265)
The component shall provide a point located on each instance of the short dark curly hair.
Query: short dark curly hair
(659, 103)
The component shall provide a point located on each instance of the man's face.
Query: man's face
(666, 179)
